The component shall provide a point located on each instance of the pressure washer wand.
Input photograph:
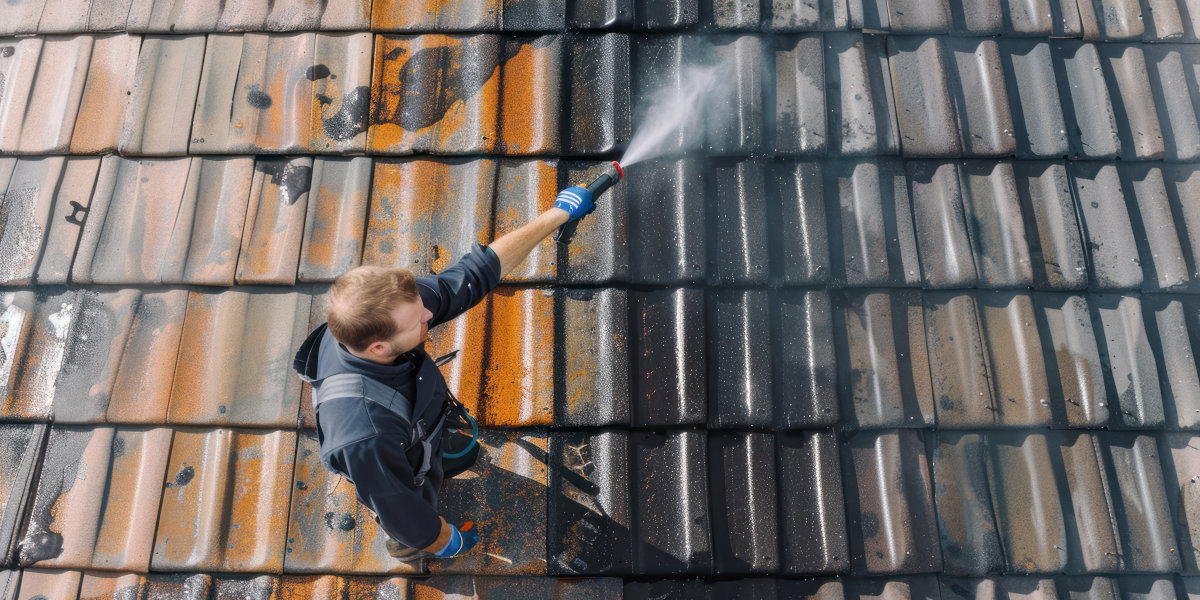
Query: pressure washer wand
(607, 179)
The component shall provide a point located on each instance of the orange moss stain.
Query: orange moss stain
(519, 386)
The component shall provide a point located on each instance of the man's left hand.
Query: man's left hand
(576, 200)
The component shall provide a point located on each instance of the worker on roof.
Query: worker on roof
(382, 406)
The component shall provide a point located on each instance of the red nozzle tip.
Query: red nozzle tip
(620, 171)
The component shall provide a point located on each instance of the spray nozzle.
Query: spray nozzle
(598, 186)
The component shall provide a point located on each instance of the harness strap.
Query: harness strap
(426, 445)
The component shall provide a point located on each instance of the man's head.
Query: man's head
(377, 313)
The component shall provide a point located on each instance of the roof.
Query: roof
(916, 319)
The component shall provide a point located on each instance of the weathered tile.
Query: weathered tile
(39, 119)
(235, 359)
(44, 329)
(482, 586)
(141, 390)
(1090, 115)
(316, 587)
(739, 360)
(1174, 85)
(336, 217)
(526, 189)
(734, 112)
(886, 381)
(1028, 503)
(812, 589)
(800, 115)
(1056, 251)
(27, 202)
(245, 587)
(18, 464)
(207, 233)
(159, 116)
(177, 586)
(941, 225)
(329, 530)
(71, 202)
(530, 95)
(49, 584)
(433, 15)
(1147, 587)
(1172, 328)
(225, 502)
(298, 15)
(1131, 373)
(275, 215)
(590, 526)
(995, 588)
(504, 494)
(665, 588)
(671, 511)
(96, 488)
(1093, 538)
(600, 251)
(19, 59)
(425, 214)
(1182, 193)
(595, 344)
(805, 393)
(920, 587)
(599, 115)
(1138, 129)
(806, 15)
(436, 93)
(1021, 390)
(1037, 110)
(341, 90)
(978, 17)
(127, 234)
(23, 17)
(739, 252)
(666, 225)
(925, 102)
(797, 224)
(10, 580)
(917, 16)
(1104, 219)
(1163, 20)
(890, 505)
(745, 503)
(169, 16)
(731, 15)
(1083, 587)
(518, 385)
(98, 332)
(669, 376)
(1073, 370)
(601, 14)
(995, 225)
(1153, 222)
(959, 361)
(667, 14)
(812, 510)
(101, 585)
(862, 110)
(980, 97)
(970, 541)
(873, 241)
(1180, 455)
(1111, 19)
(1139, 503)
(468, 336)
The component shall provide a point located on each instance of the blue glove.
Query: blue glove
(461, 541)
(577, 201)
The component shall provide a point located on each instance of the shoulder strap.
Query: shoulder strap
(355, 385)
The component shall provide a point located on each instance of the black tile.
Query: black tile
(745, 507)
(599, 253)
(600, 120)
(669, 350)
(805, 393)
(733, 119)
(670, 500)
(812, 508)
(533, 15)
(666, 221)
(970, 542)
(738, 253)
(589, 520)
(667, 14)
(797, 224)
(600, 14)
(739, 359)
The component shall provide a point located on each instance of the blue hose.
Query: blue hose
(474, 438)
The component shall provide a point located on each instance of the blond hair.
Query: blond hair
(361, 302)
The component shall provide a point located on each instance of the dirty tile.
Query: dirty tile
(599, 253)
(170, 16)
(341, 90)
(83, 390)
(1153, 222)
(805, 392)
(671, 511)
(1037, 110)
(603, 14)
(812, 510)
(872, 240)
(862, 108)
(141, 389)
(432, 15)
(941, 225)
(336, 218)
(426, 214)
(71, 202)
(667, 14)
(16, 322)
(959, 362)
(481, 586)
(739, 254)
(1090, 114)
(27, 203)
(820, 588)
(1104, 219)
(1029, 19)
(44, 329)
(97, 486)
(734, 122)
(800, 115)
(1085, 587)
(9, 582)
(1182, 190)
(1093, 538)
(19, 60)
(178, 586)
(1028, 503)
(598, 114)
(531, 87)
(235, 359)
(275, 216)
(23, 17)
(994, 588)
(127, 236)
(518, 383)
(665, 588)
(739, 360)
(329, 530)
(1171, 329)
(979, 17)
(467, 336)
(159, 116)
(504, 494)
(315, 587)
(298, 15)
(1131, 373)
(970, 541)
(233, 515)
(1018, 365)
(918, 16)
(590, 527)
(890, 505)
(732, 15)
(995, 225)
(669, 349)
(666, 225)
(436, 93)
(1074, 373)
(207, 232)
(49, 584)
(980, 97)
(745, 504)
(524, 190)
(1147, 587)
(44, 113)
(245, 587)
(595, 349)
(1111, 20)
(886, 380)
(1056, 250)
(1180, 455)
(806, 15)
(1174, 85)
(1139, 505)
(102, 585)
(23, 444)
(1138, 128)
(925, 101)
(1164, 20)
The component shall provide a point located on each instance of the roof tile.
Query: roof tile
(1035, 19)
(274, 227)
(739, 361)
(670, 503)
(64, 16)
(1027, 504)
(603, 14)
(18, 465)
(745, 504)
(141, 390)
(245, 587)
(800, 115)
(1137, 118)
(431, 15)
(886, 379)
(811, 589)
(482, 587)
(1146, 587)
(425, 214)
(921, 71)
(177, 586)
(1174, 84)
(978, 17)
(997, 588)
(1142, 515)
(1037, 109)
(805, 392)
(234, 517)
(739, 253)
(599, 113)
(995, 224)
(734, 112)
(39, 118)
(732, 15)
(667, 14)
(807, 15)
(109, 85)
(73, 196)
(18, 65)
(940, 217)
(533, 15)
(504, 494)
(341, 90)
(669, 350)
(23, 18)
(530, 89)
(1111, 19)
(38, 355)
(1181, 469)
(662, 66)
(890, 506)
(1153, 223)
(959, 362)
(970, 542)
(234, 357)
(595, 342)
(1163, 20)
(1017, 364)
(801, 241)
(26, 201)
(207, 232)
(665, 588)
(1182, 193)
(873, 242)
(1051, 226)
(10, 580)
(862, 116)
(666, 227)
(1167, 324)
(468, 335)
(97, 487)
(1104, 219)
(591, 532)
(332, 586)
(329, 530)
(526, 189)
(1084, 587)
(336, 218)
(100, 585)
(300, 15)
(600, 251)
(812, 509)
(1131, 373)
(1093, 541)
(49, 584)
(1075, 376)
(159, 116)
(98, 332)
(169, 16)
(1090, 115)
(981, 98)
(519, 380)
(919, 16)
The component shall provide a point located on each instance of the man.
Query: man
(380, 401)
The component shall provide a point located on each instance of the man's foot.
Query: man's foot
(404, 553)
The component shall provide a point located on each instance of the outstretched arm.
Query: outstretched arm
(514, 246)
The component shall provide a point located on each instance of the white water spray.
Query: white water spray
(677, 111)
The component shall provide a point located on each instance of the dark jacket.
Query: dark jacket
(369, 444)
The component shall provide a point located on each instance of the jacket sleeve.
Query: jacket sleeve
(379, 469)
(453, 291)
